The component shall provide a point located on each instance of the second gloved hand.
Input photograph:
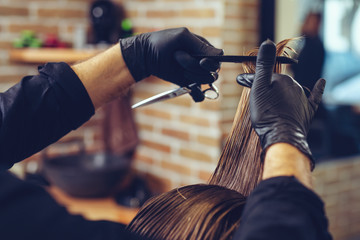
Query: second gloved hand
(280, 110)
(167, 55)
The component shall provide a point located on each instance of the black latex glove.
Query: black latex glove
(279, 109)
(167, 55)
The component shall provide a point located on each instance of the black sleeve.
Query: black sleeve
(33, 114)
(40, 110)
(282, 208)
(27, 211)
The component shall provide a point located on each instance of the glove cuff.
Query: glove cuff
(132, 52)
(292, 136)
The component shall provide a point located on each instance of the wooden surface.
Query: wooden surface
(94, 209)
(43, 55)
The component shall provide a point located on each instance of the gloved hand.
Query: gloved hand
(167, 55)
(279, 109)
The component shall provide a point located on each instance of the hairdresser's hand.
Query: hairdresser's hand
(280, 110)
(167, 55)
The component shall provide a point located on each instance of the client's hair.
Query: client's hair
(239, 167)
(195, 212)
(211, 211)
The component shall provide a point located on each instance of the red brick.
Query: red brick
(27, 1)
(141, 29)
(13, 11)
(38, 28)
(62, 13)
(210, 105)
(184, 101)
(5, 45)
(157, 113)
(161, 14)
(210, 141)
(132, 13)
(10, 78)
(211, 32)
(176, 134)
(200, 121)
(144, 159)
(146, 127)
(156, 146)
(198, 13)
(176, 168)
(197, 155)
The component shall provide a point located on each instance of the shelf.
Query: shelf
(43, 55)
(94, 209)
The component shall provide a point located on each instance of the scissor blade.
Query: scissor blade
(240, 59)
(162, 97)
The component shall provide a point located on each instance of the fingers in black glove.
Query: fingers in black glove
(279, 109)
(316, 93)
(245, 79)
(154, 54)
(265, 63)
(197, 94)
(195, 71)
(206, 74)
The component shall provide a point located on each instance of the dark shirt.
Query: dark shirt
(282, 208)
(35, 113)
(41, 109)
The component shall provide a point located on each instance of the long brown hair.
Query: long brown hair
(211, 211)
(193, 212)
(239, 167)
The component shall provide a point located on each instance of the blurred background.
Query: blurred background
(125, 158)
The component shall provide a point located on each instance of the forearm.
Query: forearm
(283, 159)
(105, 76)
(40, 110)
(43, 108)
(283, 206)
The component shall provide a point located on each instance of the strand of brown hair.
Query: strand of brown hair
(239, 167)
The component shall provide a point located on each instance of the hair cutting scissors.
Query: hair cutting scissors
(211, 92)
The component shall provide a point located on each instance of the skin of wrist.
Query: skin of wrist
(105, 76)
(283, 159)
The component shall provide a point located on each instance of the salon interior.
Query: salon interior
(109, 167)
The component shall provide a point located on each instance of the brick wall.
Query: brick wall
(338, 184)
(43, 17)
(180, 140)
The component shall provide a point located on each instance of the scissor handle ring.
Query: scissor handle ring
(213, 90)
